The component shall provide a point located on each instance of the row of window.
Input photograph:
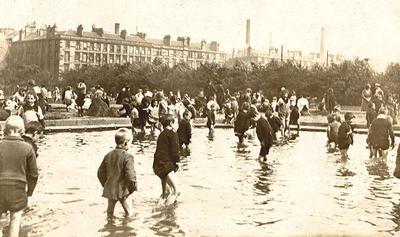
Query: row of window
(103, 47)
(173, 62)
(98, 57)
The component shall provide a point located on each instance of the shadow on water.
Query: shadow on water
(379, 168)
(119, 228)
(165, 221)
(395, 213)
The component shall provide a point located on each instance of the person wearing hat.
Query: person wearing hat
(264, 133)
(345, 135)
(379, 133)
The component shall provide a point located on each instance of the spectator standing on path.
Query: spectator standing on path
(81, 89)
(18, 170)
(366, 95)
(209, 90)
(330, 101)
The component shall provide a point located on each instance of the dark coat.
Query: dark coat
(184, 132)
(379, 132)
(264, 132)
(166, 156)
(242, 123)
(117, 174)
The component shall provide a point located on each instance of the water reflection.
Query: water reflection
(263, 182)
(118, 228)
(378, 167)
(166, 222)
(300, 190)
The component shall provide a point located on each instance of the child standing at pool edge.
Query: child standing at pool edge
(117, 173)
(166, 158)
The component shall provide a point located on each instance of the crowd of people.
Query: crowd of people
(172, 115)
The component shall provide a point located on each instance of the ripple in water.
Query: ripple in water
(300, 190)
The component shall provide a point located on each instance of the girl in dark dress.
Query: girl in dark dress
(166, 158)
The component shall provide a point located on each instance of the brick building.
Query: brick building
(60, 51)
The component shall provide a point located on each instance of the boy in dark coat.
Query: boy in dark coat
(242, 122)
(185, 130)
(275, 123)
(264, 134)
(345, 135)
(117, 173)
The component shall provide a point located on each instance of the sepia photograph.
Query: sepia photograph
(199, 118)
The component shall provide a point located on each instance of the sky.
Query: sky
(363, 28)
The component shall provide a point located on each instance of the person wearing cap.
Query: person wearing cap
(345, 135)
(379, 133)
(264, 133)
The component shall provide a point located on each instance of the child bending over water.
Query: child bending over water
(166, 158)
(117, 173)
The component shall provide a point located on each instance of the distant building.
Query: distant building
(249, 55)
(6, 37)
(60, 51)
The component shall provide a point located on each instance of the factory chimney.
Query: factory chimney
(116, 28)
(248, 37)
(322, 53)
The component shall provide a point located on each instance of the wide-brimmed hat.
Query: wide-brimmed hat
(349, 115)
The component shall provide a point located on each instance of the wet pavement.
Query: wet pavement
(302, 190)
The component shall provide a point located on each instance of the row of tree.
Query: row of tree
(347, 79)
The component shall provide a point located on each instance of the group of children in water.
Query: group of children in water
(117, 173)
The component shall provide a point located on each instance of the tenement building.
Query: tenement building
(60, 51)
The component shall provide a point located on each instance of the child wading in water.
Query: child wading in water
(345, 135)
(185, 130)
(33, 132)
(117, 173)
(332, 132)
(18, 173)
(242, 123)
(166, 158)
(264, 134)
(212, 108)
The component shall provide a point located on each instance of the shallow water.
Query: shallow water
(302, 190)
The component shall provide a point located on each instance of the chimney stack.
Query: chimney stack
(214, 46)
(167, 40)
(322, 53)
(20, 34)
(248, 37)
(79, 30)
(123, 34)
(188, 41)
(203, 44)
(116, 28)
